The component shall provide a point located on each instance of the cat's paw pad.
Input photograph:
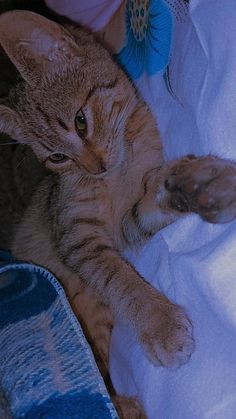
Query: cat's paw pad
(168, 338)
(206, 186)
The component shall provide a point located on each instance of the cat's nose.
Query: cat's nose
(99, 169)
(103, 167)
(93, 164)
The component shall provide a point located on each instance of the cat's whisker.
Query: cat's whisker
(122, 115)
(10, 143)
(127, 104)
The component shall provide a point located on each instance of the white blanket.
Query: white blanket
(192, 262)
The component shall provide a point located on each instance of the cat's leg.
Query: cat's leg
(204, 185)
(97, 323)
(162, 328)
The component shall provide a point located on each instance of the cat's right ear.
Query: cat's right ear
(37, 46)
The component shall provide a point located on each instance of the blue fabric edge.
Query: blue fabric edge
(75, 323)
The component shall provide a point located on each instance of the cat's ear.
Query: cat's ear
(36, 45)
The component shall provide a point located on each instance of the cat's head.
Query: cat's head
(74, 102)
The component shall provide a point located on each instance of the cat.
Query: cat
(108, 187)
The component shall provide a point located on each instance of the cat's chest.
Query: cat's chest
(92, 201)
(123, 189)
(106, 199)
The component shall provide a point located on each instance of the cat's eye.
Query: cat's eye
(58, 158)
(80, 123)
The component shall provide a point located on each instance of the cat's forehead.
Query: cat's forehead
(73, 91)
(106, 99)
(76, 86)
(112, 98)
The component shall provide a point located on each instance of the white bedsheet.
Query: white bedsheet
(193, 262)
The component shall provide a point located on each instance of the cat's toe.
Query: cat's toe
(205, 186)
(169, 342)
(216, 201)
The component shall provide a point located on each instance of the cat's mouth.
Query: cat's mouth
(95, 173)
(99, 168)
(104, 171)
(92, 163)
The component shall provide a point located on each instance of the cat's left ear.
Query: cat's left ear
(36, 45)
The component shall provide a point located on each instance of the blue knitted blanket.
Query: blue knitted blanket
(47, 369)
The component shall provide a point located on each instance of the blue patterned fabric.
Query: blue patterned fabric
(148, 37)
(47, 369)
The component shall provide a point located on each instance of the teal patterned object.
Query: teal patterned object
(47, 369)
(148, 37)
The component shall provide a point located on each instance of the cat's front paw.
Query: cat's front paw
(205, 185)
(168, 336)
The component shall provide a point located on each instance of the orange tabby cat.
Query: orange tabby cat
(109, 187)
